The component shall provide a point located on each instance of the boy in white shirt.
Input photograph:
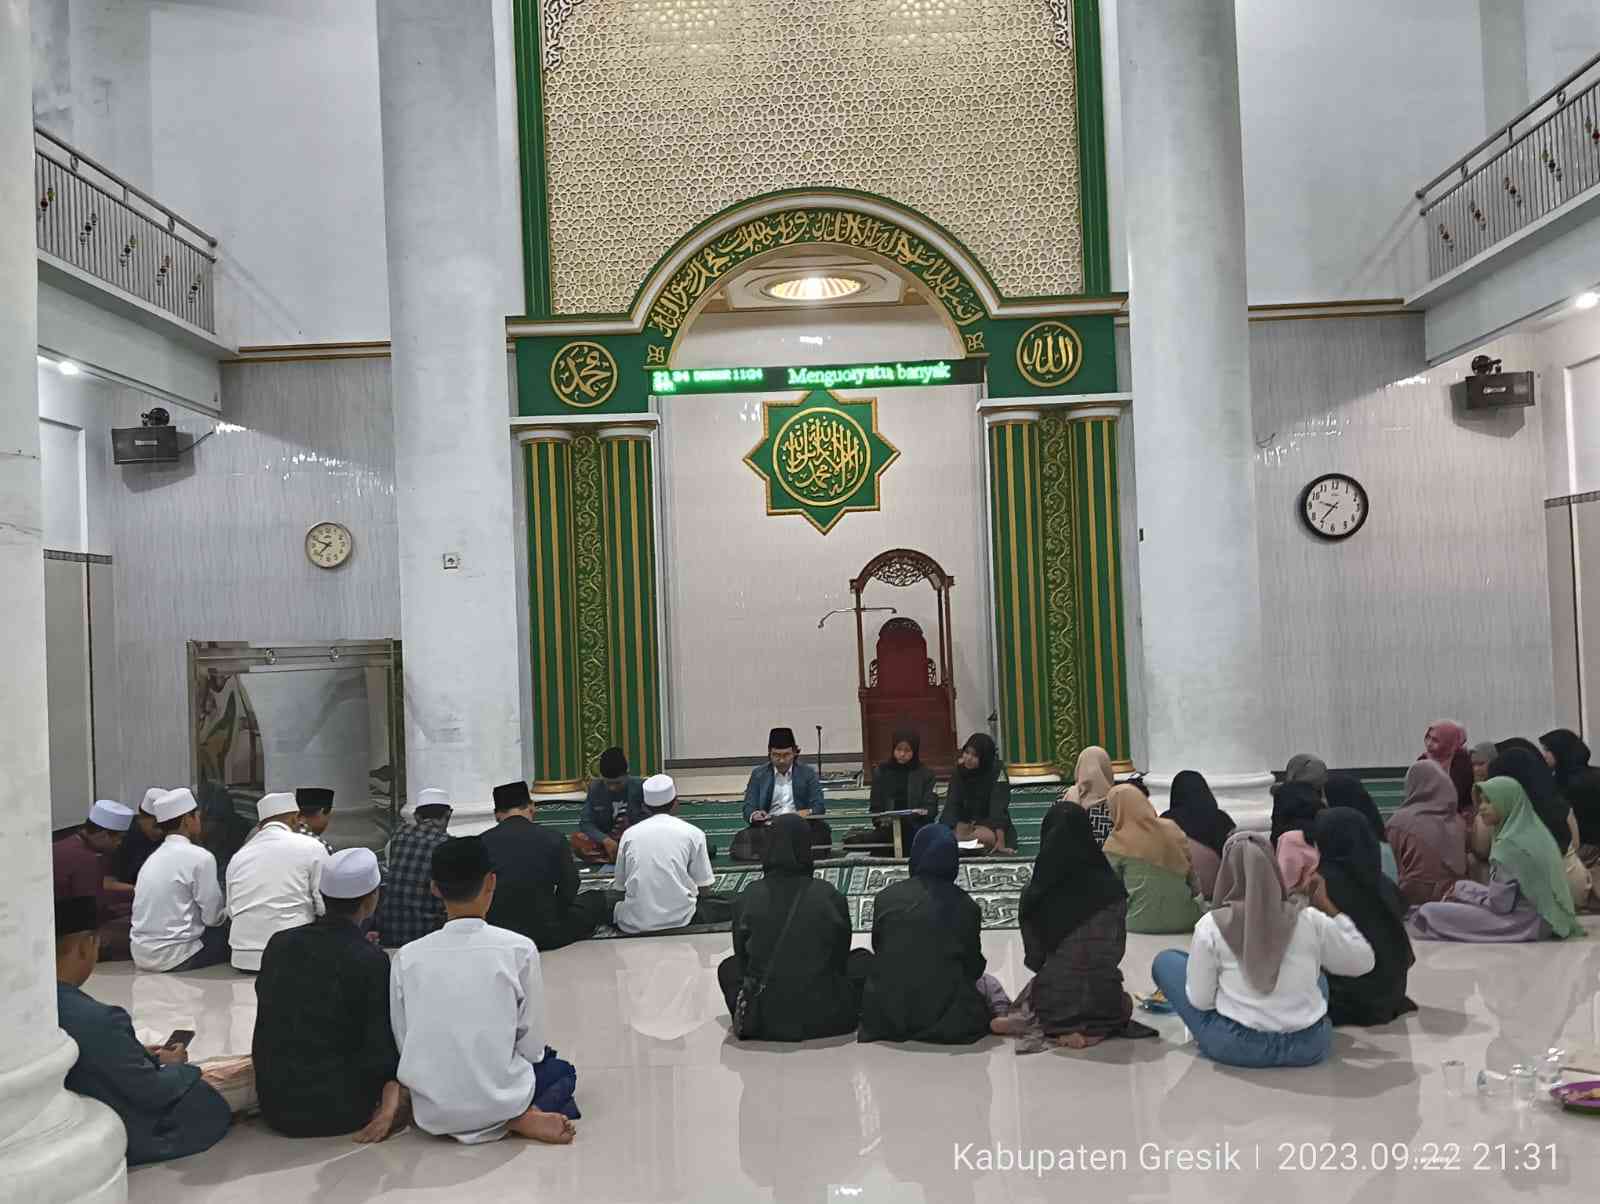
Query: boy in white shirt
(467, 1008)
(178, 914)
(664, 870)
(274, 882)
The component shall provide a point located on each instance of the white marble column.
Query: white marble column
(449, 281)
(1199, 580)
(54, 1146)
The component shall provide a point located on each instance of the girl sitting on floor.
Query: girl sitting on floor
(1250, 989)
(1151, 856)
(1193, 808)
(1073, 916)
(1297, 863)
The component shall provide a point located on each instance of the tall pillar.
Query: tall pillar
(553, 611)
(1198, 573)
(1096, 520)
(628, 503)
(450, 287)
(54, 1145)
(1022, 648)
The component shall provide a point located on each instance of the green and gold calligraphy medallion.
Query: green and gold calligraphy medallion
(821, 457)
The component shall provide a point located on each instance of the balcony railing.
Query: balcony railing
(1541, 159)
(91, 218)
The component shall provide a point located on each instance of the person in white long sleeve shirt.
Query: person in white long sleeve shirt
(1251, 988)
(467, 1007)
(274, 881)
(178, 913)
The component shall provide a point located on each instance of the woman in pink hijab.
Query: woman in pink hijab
(1445, 743)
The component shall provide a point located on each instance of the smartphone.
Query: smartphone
(180, 1036)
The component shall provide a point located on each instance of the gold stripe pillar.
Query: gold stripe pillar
(1096, 517)
(627, 476)
(552, 610)
(1016, 544)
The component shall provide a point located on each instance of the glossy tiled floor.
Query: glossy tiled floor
(674, 1111)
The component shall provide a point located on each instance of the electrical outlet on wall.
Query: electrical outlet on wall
(452, 560)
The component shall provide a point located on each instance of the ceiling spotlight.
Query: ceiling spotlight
(68, 368)
(812, 287)
(1587, 300)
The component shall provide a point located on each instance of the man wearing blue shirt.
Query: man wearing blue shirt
(785, 785)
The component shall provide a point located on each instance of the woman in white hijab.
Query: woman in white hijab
(1248, 989)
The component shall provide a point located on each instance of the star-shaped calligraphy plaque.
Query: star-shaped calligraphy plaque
(821, 457)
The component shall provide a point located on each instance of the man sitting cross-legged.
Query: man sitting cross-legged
(324, 1050)
(467, 1006)
(536, 878)
(168, 1106)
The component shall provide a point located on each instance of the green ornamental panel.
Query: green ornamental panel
(1102, 673)
(552, 605)
(627, 477)
(1061, 585)
(821, 457)
(1022, 637)
(589, 567)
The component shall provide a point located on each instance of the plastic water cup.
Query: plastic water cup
(1523, 1084)
(1455, 1076)
(1492, 1082)
(1547, 1073)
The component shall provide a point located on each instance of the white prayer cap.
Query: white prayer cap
(276, 804)
(433, 798)
(112, 816)
(172, 804)
(150, 797)
(350, 874)
(659, 790)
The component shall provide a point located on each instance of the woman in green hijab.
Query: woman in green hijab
(1526, 897)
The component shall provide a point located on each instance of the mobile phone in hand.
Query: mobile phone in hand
(180, 1036)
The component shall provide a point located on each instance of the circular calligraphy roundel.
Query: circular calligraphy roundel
(583, 374)
(821, 456)
(1049, 354)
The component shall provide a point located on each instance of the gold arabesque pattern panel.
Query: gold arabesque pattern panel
(664, 112)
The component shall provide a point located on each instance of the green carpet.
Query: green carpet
(994, 883)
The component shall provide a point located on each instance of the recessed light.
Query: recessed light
(68, 368)
(1587, 300)
(814, 287)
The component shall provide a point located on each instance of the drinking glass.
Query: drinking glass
(1455, 1076)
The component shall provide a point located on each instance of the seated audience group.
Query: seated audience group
(1294, 931)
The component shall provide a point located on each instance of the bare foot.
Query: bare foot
(549, 1127)
(1078, 1041)
(387, 1118)
(1008, 1026)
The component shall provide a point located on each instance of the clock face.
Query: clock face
(1334, 506)
(328, 545)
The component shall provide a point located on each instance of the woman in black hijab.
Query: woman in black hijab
(1351, 868)
(928, 955)
(1346, 790)
(1523, 760)
(1580, 782)
(1294, 808)
(1074, 920)
(979, 804)
(1193, 808)
(901, 783)
(813, 978)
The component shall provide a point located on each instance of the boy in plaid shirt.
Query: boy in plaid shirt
(409, 909)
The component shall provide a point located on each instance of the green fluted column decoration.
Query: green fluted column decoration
(552, 605)
(1102, 667)
(1016, 544)
(627, 477)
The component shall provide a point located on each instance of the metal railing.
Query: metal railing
(1513, 178)
(90, 217)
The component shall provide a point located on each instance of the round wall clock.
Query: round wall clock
(328, 545)
(1334, 506)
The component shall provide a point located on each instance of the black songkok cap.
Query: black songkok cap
(80, 913)
(782, 737)
(313, 798)
(460, 864)
(613, 764)
(511, 795)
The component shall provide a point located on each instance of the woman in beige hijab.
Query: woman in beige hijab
(1091, 784)
(1151, 856)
